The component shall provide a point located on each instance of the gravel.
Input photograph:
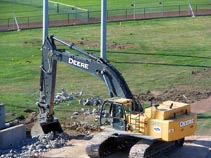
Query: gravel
(35, 146)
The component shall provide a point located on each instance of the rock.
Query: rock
(73, 117)
(75, 113)
(94, 111)
(65, 96)
(88, 137)
(87, 113)
(91, 101)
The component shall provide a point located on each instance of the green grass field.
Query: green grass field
(152, 55)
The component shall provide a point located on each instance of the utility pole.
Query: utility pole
(45, 20)
(103, 28)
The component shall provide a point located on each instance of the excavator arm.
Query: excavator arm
(83, 60)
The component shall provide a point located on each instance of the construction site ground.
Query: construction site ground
(194, 147)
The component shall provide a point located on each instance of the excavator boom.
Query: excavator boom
(83, 60)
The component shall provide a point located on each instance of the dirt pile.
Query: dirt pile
(175, 94)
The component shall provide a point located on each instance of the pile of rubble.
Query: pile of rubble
(67, 96)
(91, 101)
(35, 146)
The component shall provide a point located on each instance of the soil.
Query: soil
(201, 106)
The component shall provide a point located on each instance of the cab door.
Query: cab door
(119, 121)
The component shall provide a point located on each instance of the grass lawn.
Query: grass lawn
(152, 55)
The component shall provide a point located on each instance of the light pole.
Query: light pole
(45, 20)
(103, 28)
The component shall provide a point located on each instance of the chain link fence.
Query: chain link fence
(62, 18)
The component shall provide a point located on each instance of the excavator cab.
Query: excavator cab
(115, 112)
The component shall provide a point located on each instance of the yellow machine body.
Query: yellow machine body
(169, 121)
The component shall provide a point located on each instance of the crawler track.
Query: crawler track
(108, 142)
(147, 149)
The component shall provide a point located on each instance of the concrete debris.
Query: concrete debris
(65, 96)
(83, 127)
(91, 101)
(86, 112)
(35, 146)
(62, 96)
(75, 113)
(94, 111)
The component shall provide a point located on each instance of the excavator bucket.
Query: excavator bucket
(41, 128)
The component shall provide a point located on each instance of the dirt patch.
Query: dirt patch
(87, 43)
(201, 106)
(75, 149)
(183, 93)
(113, 46)
(32, 43)
(203, 73)
(179, 94)
(120, 46)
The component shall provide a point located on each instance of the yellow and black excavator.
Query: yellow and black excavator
(125, 122)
